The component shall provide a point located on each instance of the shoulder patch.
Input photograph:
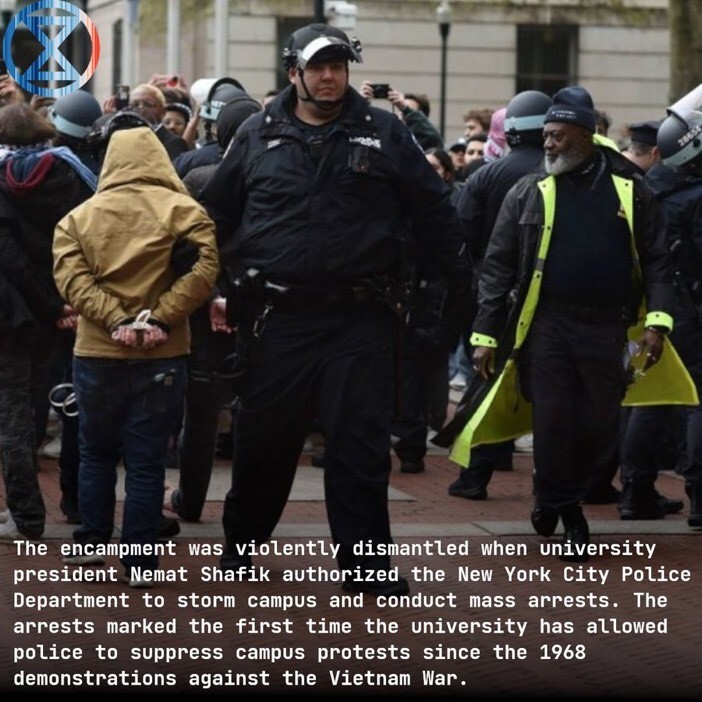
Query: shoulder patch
(365, 141)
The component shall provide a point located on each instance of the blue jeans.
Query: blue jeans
(127, 410)
(459, 361)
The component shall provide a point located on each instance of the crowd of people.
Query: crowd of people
(313, 260)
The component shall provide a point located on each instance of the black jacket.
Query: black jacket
(206, 155)
(174, 145)
(33, 199)
(483, 193)
(372, 197)
(512, 250)
(680, 195)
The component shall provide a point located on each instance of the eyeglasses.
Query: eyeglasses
(142, 103)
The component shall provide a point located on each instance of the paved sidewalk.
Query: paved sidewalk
(564, 632)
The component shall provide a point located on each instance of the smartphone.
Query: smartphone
(122, 96)
(380, 90)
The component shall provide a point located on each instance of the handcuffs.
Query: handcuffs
(63, 399)
(141, 322)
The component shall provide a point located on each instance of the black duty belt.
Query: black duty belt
(587, 314)
(293, 297)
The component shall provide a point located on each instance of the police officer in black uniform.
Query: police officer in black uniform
(478, 206)
(677, 185)
(222, 92)
(315, 204)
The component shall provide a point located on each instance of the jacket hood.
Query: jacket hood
(137, 156)
(232, 116)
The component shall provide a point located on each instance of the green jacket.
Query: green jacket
(423, 130)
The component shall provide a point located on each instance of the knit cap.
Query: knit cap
(573, 105)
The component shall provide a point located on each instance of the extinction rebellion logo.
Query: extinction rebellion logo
(51, 73)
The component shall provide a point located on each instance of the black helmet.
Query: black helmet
(106, 125)
(679, 137)
(73, 114)
(321, 42)
(679, 140)
(525, 113)
(219, 94)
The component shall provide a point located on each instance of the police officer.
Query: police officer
(642, 148)
(677, 185)
(73, 116)
(315, 203)
(222, 91)
(477, 206)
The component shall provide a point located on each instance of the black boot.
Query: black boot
(411, 461)
(471, 484)
(544, 520)
(317, 459)
(576, 536)
(640, 501)
(233, 559)
(168, 527)
(694, 492)
(669, 505)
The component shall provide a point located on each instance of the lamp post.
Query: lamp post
(319, 11)
(443, 18)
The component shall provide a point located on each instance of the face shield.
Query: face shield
(690, 104)
(325, 49)
(688, 110)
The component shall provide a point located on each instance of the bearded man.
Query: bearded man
(568, 261)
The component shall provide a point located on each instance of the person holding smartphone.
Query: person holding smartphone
(9, 90)
(413, 110)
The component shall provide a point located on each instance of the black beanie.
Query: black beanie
(573, 105)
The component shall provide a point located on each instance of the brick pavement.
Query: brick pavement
(615, 665)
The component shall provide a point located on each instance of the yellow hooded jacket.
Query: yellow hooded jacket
(112, 253)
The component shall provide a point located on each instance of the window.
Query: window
(546, 57)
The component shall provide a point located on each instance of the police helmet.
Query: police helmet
(679, 140)
(525, 113)
(106, 125)
(73, 114)
(320, 42)
(219, 94)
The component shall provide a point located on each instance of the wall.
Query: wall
(623, 61)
